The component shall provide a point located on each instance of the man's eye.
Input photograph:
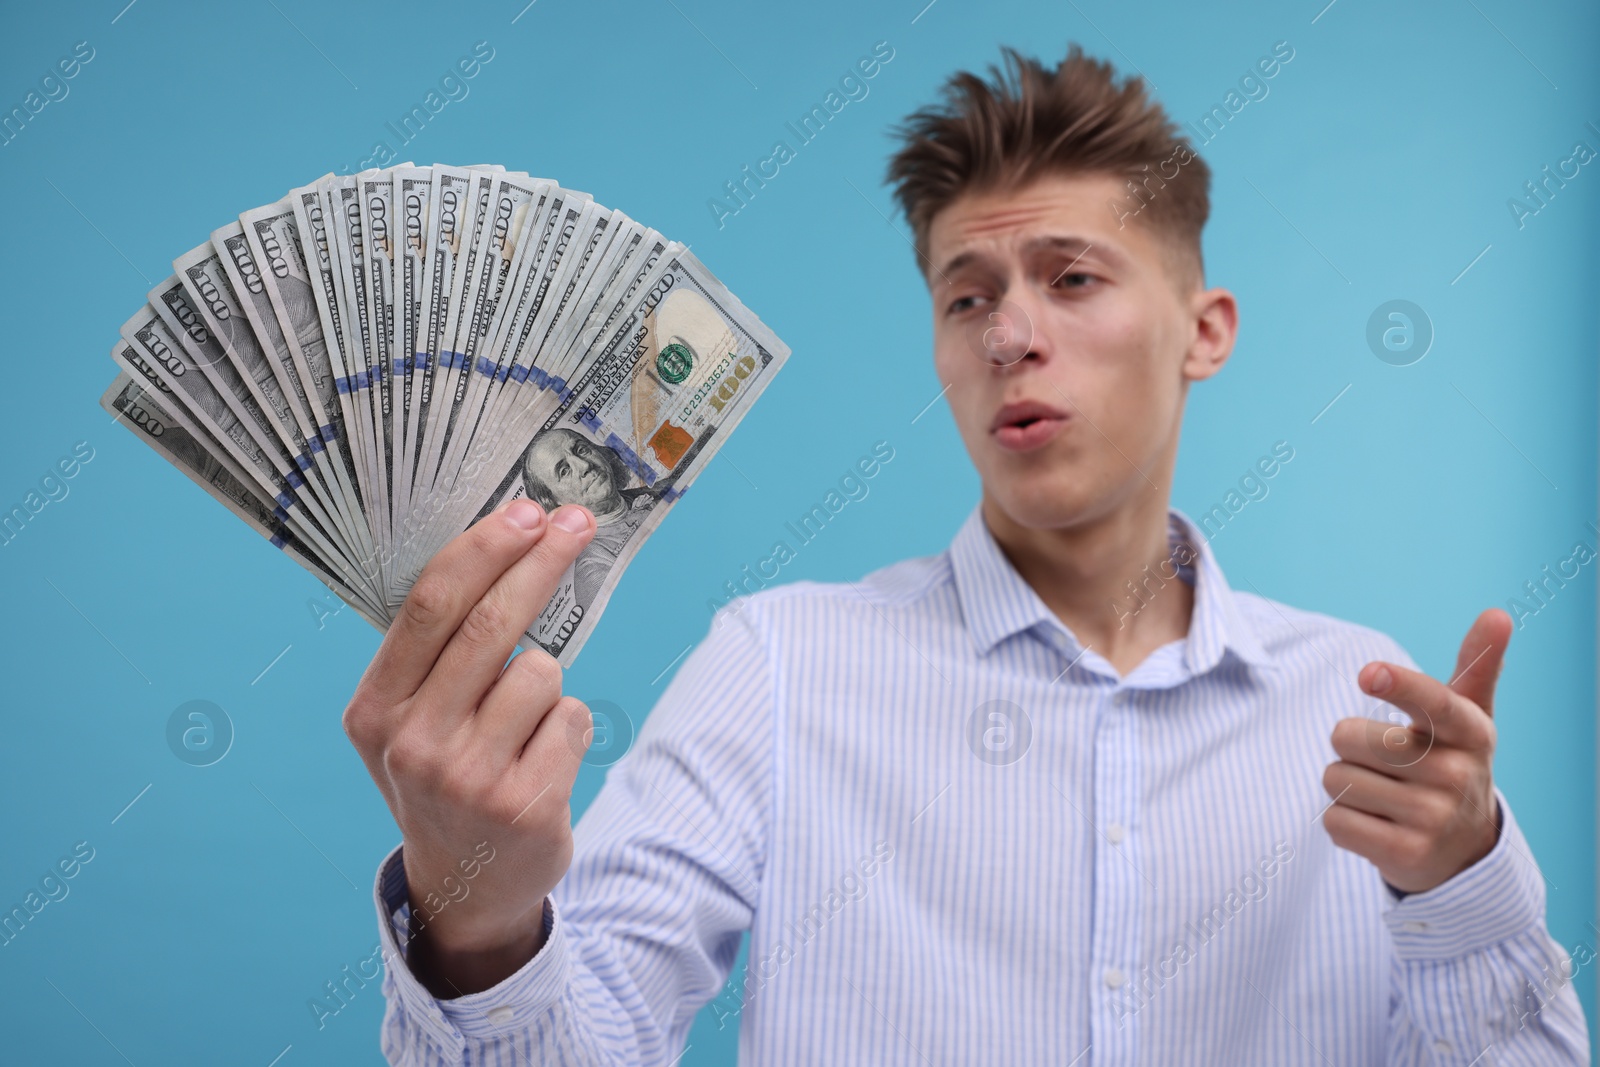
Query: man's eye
(1073, 280)
(963, 303)
(562, 468)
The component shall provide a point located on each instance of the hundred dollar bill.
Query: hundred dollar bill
(441, 247)
(635, 430)
(173, 364)
(413, 187)
(314, 219)
(375, 190)
(598, 243)
(125, 355)
(273, 240)
(539, 367)
(633, 249)
(217, 328)
(464, 318)
(549, 238)
(507, 203)
(349, 250)
(579, 284)
(511, 200)
(636, 266)
(464, 198)
(153, 424)
(248, 283)
(537, 226)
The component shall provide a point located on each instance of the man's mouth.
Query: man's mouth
(1026, 425)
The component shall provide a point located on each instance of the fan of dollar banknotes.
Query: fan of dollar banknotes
(365, 368)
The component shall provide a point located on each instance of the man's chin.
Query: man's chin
(1044, 502)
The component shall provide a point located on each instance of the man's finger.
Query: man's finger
(528, 687)
(1483, 652)
(1364, 789)
(476, 653)
(1434, 707)
(452, 582)
(1385, 843)
(552, 755)
(1386, 747)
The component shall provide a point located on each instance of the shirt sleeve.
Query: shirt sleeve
(643, 930)
(1476, 977)
(1475, 970)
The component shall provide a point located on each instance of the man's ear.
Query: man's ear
(1216, 320)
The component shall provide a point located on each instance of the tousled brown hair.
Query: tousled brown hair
(1076, 119)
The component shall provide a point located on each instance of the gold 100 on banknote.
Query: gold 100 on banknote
(359, 392)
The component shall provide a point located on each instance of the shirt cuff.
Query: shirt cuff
(1498, 897)
(513, 1005)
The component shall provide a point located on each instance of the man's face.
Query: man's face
(1066, 343)
(574, 469)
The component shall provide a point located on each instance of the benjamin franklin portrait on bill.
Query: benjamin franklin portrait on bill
(562, 466)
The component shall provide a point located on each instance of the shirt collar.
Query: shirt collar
(996, 602)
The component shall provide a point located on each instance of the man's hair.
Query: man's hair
(1074, 119)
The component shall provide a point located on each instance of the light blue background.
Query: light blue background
(1378, 167)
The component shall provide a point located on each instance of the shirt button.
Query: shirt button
(1115, 833)
(500, 1015)
(1115, 977)
(1120, 696)
(1443, 1046)
(1413, 926)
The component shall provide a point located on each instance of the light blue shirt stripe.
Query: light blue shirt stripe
(1114, 871)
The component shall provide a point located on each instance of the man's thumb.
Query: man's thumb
(1482, 653)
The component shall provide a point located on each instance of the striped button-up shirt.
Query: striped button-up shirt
(957, 836)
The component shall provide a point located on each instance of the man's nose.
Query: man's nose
(1011, 332)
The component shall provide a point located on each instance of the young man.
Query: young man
(1056, 795)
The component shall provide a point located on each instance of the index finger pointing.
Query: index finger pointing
(1434, 707)
(452, 582)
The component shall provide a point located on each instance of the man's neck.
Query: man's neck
(1083, 575)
